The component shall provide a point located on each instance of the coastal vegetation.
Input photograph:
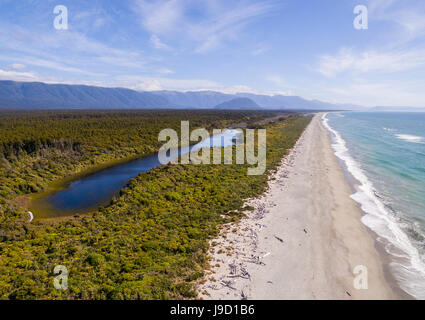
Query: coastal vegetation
(151, 242)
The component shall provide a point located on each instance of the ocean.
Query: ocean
(384, 153)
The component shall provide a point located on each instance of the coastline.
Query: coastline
(402, 262)
(303, 239)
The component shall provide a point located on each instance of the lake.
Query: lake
(98, 189)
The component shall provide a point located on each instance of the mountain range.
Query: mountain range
(211, 99)
(37, 95)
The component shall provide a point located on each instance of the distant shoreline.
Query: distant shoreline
(303, 239)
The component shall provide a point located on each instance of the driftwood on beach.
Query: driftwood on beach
(235, 274)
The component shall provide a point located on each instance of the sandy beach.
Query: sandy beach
(303, 240)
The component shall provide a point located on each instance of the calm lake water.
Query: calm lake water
(99, 188)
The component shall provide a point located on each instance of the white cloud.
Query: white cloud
(276, 80)
(152, 84)
(56, 66)
(259, 51)
(16, 66)
(58, 51)
(18, 76)
(374, 93)
(158, 44)
(148, 85)
(211, 42)
(215, 22)
(408, 15)
(163, 83)
(413, 23)
(238, 89)
(226, 25)
(93, 19)
(246, 89)
(159, 83)
(392, 72)
(165, 71)
(376, 6)
(346, 60)
(160, 17)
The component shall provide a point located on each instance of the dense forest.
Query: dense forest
(39, 147)
(151, 242)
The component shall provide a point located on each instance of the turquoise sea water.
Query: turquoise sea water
(385, 154)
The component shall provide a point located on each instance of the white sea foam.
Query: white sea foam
(389, 129)
(410, 138)
(410, 269)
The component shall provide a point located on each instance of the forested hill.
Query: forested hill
(238, 103)
(37, 95)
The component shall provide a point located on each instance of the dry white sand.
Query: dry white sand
(304, 238)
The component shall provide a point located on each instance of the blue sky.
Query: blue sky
(295, 47)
